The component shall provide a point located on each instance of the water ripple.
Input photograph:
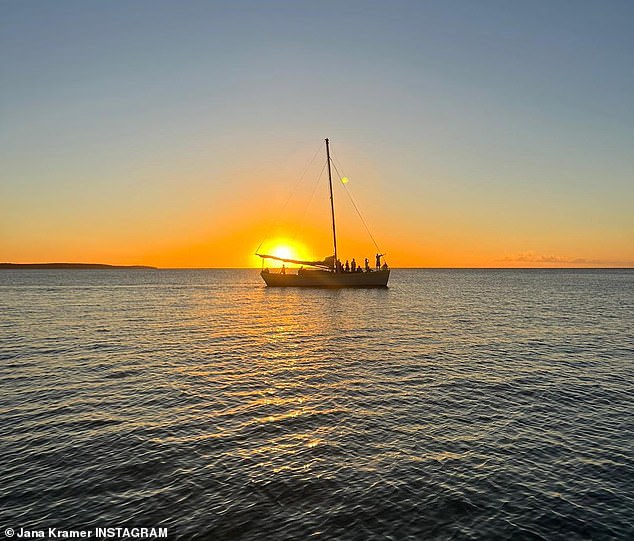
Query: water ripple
(455, 405)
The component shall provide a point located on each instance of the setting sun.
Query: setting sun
(284, 252)
(284, 248)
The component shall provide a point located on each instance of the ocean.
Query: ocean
(457, 404)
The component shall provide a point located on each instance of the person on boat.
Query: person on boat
(378, 261)
(384, 267)
(283, 271)
(339, 266)
(347, 266)
(367, 265)
(353, 265)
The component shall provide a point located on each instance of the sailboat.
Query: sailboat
(327, 272)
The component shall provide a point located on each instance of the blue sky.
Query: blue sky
(488, 128)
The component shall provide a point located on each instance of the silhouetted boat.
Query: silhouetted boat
(329, 271)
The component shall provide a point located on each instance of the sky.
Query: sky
(181, 134)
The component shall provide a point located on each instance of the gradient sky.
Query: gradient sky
(171, 133)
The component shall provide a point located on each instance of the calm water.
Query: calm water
(454, 405)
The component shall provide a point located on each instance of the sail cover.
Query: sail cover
(327, 262)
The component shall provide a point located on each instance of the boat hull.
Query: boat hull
(319, 278)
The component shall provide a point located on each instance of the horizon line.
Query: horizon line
(106, 266)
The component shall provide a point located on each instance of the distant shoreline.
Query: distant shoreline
(70, 266)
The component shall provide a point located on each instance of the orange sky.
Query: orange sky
(197, 223)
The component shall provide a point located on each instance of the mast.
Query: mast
(332, 205)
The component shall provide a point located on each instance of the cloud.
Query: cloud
(532, 257)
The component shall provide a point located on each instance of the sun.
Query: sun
(285, 252)
(284, 248)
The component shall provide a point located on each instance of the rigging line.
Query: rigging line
(349, 193)
(312, 195)
(333, 155)
(357, 209)
(293, 191)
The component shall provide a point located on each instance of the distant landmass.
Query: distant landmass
(69, 266)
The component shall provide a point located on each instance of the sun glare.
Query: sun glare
(285, 252)
(284, 248)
